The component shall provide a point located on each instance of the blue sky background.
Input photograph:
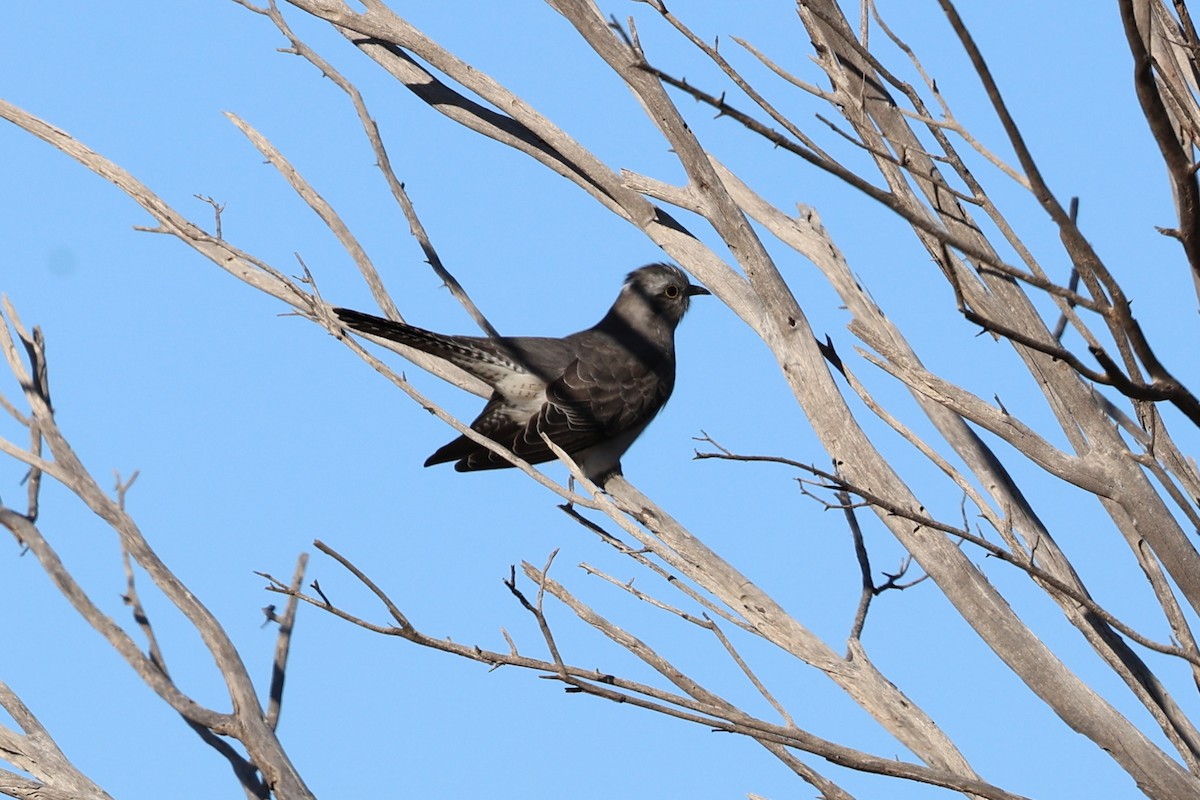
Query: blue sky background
(255, 433)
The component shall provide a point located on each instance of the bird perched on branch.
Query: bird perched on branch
(592, 392)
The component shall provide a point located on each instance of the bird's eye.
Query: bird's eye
(671, 292)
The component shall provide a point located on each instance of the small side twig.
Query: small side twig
(538, 610)
(749, 673)
(869, 588)
(362, 577)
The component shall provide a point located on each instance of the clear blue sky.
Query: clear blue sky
(255, 433)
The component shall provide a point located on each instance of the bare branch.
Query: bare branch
(36, 752)
(283, 644)
(1136, 17)
(1020, 561)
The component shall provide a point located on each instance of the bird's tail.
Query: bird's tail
(410, 335)
(486, 359)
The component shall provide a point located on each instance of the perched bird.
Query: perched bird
(592, 392)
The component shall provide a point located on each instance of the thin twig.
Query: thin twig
(383, 161)
(538, 610)
(749, 673)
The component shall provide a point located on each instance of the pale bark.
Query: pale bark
(1109, 407)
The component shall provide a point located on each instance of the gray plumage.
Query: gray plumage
(592, 392)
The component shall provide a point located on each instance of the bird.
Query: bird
(592, 393)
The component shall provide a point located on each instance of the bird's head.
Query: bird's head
(662, 289)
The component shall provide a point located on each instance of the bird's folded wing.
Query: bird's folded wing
(563, 424)
(587, 406)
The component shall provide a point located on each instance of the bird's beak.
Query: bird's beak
(693, 290)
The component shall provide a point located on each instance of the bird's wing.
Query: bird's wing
(501, 422)
(596, 399)
(566, 421)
